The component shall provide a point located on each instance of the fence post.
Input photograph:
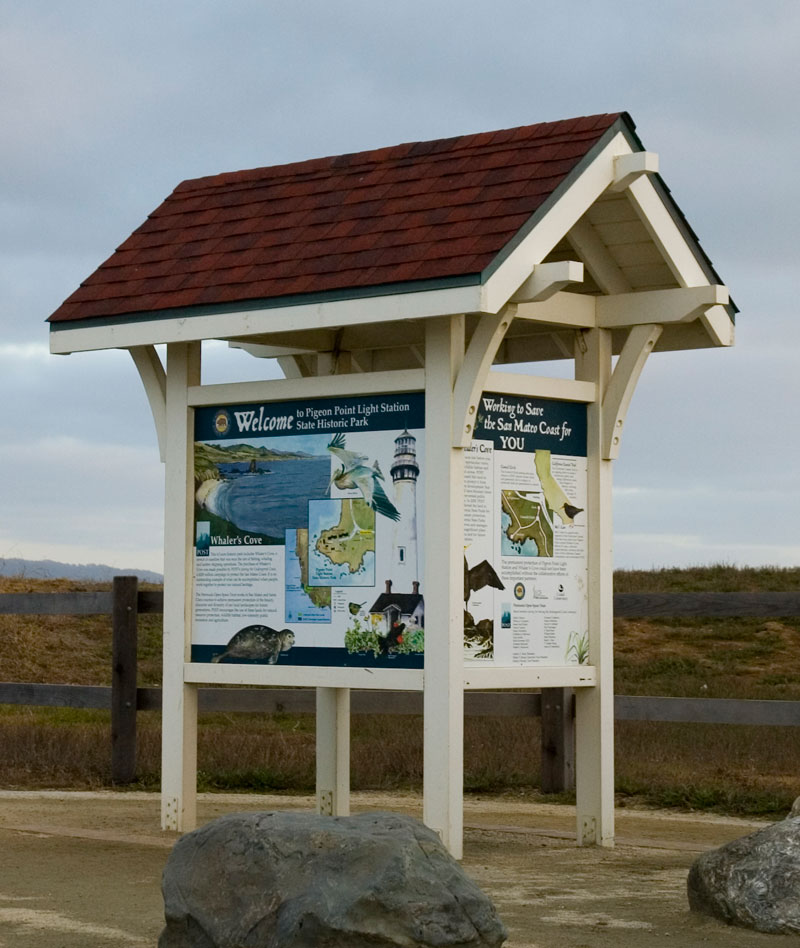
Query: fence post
(558, 740)
(123, 678)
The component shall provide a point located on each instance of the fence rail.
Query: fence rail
(77, 603)
(555, 706)
(762, 605)
(267, 700)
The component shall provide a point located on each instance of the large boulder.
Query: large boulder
(753, 881)
(293, 880)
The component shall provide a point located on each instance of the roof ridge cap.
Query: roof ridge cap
(353, 161)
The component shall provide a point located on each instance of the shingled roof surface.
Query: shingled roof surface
(438, 211)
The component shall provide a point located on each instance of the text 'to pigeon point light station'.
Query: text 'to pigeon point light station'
(408, 509)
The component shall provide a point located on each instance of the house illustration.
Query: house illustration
(393, 607)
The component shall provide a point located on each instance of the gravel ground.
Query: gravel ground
(82, 870)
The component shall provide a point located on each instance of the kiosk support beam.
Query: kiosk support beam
(594, 707)
(443, 781)
(333, 751)
(179, 700)
(333, 713)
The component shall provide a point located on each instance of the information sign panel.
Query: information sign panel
(309, 528)
(307, 532)
(525, 566)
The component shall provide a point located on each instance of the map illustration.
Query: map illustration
(304, 603)
(342, 542)
(527, 524)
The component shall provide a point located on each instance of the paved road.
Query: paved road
(83, 871)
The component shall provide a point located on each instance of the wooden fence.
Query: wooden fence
(125, 601)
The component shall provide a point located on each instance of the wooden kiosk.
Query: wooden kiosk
(392, 285)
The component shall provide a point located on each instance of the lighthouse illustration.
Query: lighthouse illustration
(405, 472)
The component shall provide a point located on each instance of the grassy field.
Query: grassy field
(735, 769)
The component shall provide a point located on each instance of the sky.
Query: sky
(106, 107)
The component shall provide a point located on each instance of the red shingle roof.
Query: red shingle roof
(426, 211)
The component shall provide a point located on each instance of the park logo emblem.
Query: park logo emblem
(222, 422)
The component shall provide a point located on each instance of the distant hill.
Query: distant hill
(88, 572)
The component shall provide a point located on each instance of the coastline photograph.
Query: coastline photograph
(258, 488)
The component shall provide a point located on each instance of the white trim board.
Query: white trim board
(263, 321)
(328, 386)
(533, 676)
(304, 676)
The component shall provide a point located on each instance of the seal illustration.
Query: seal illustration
(257, 643)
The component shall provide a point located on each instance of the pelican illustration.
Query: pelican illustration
(478, 576)
(355, 472)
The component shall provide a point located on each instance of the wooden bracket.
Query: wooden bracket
(260, 351)
(548, 279)
(627, 168)
(622, 383)
(154, 379)
(478, 360)
(292, 367)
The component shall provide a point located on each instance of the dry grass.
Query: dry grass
(72, 650)
(721, 577)
(713, 658)
(735, 769)
(729, 768)
(56, 748)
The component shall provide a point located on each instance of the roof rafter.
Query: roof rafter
(596, 258)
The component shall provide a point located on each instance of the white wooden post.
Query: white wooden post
(333, 716)
(594, 707)
(179, 701)
(443, 782)
(333, 751)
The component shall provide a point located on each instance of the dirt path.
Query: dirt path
(83, 871)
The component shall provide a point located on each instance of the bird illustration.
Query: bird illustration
(392, 638)
(257, 643)
(479, 635)
(355, 607)
(572, 511)
(355, 473)
(478, 576)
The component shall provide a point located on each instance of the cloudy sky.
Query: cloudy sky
(106, 107)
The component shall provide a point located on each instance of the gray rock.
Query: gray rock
(753, 881)
(293, 880)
